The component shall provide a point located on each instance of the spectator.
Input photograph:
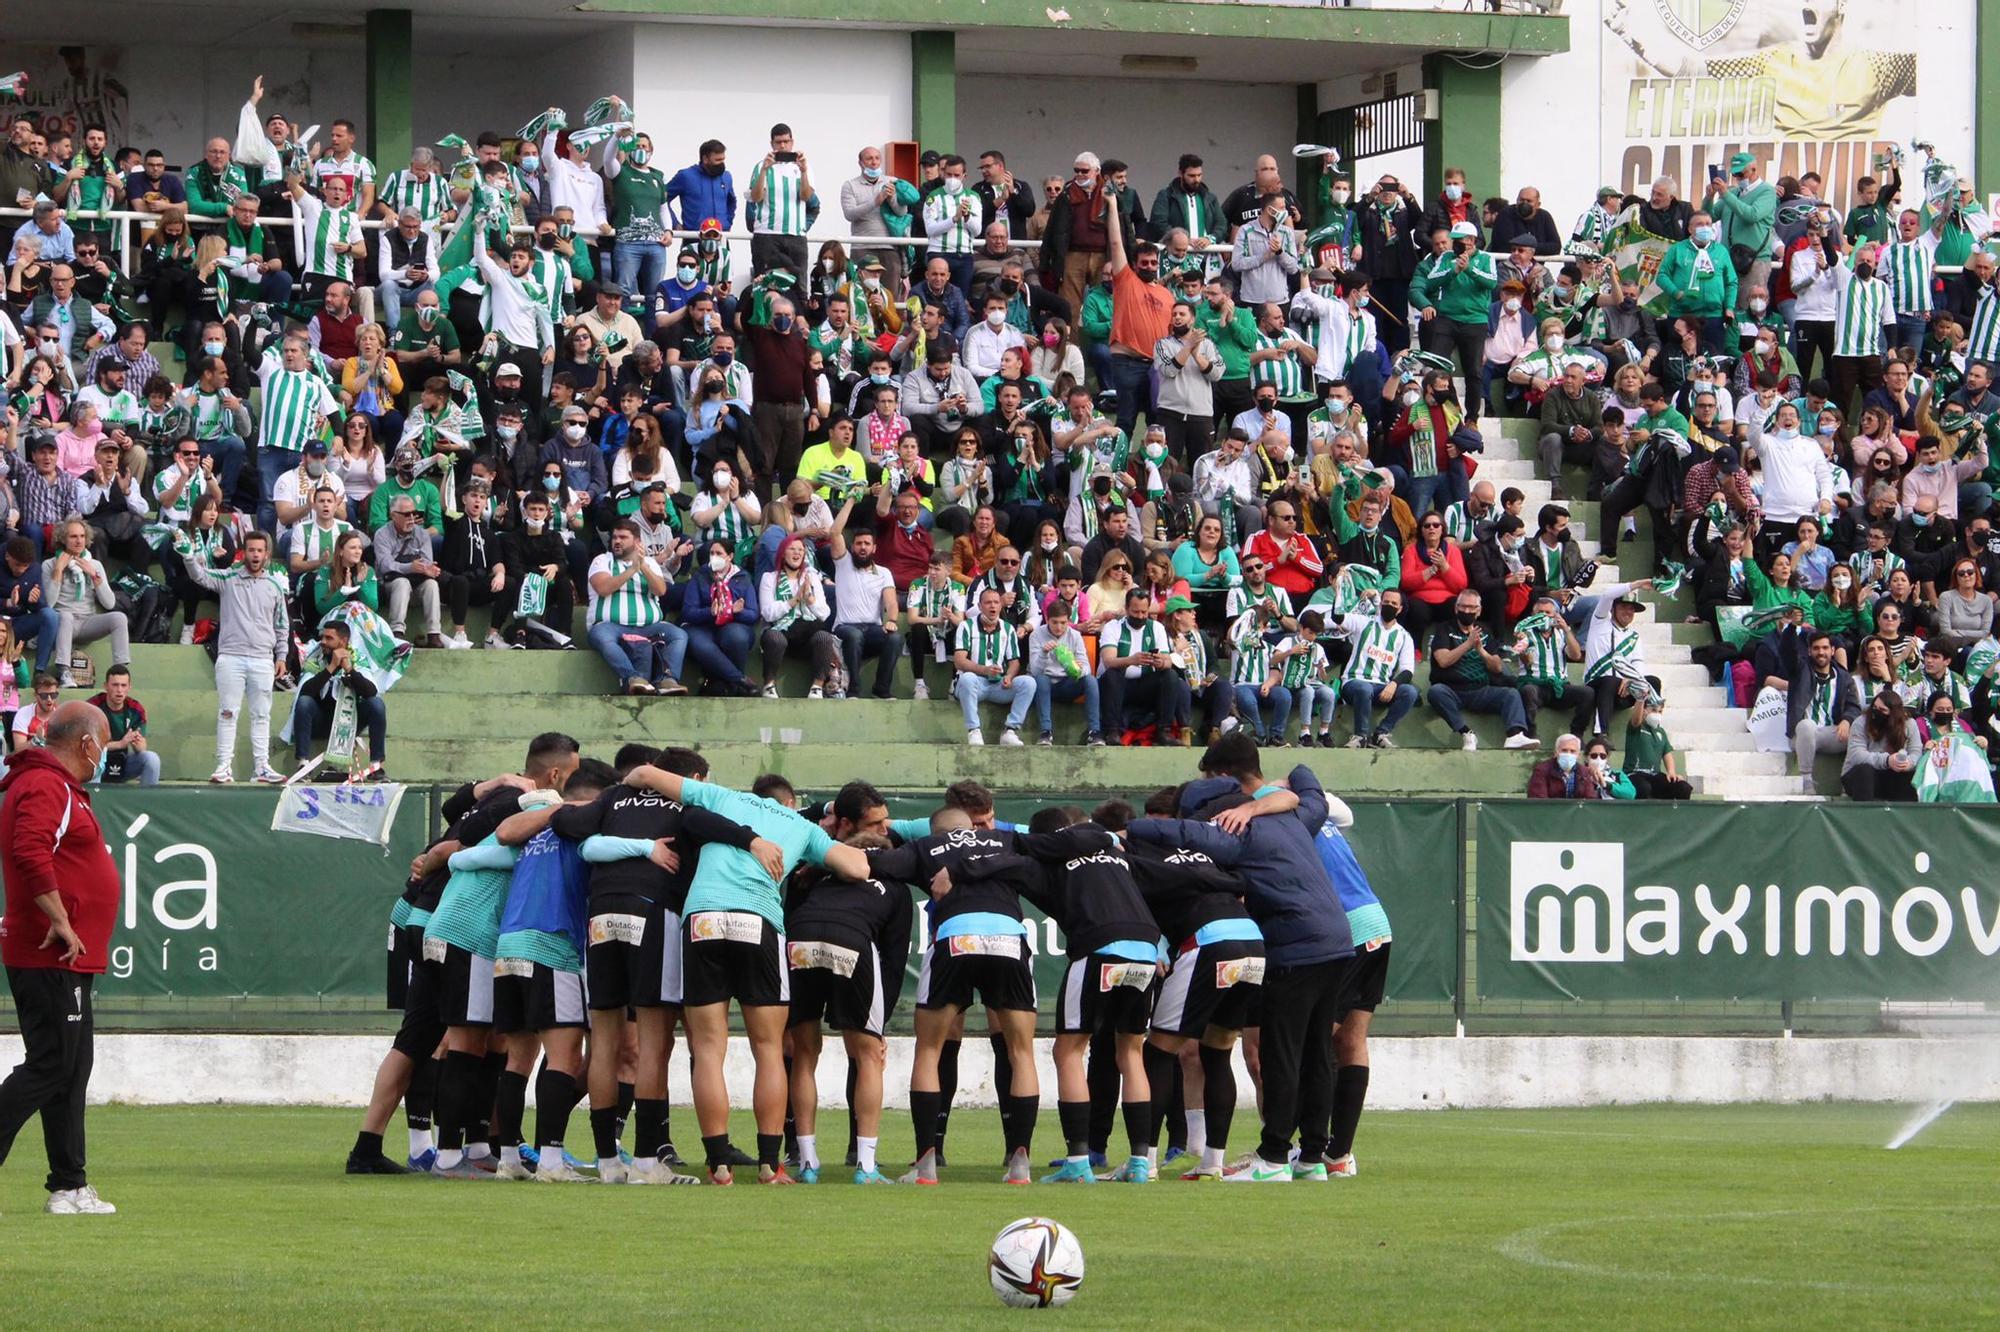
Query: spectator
(864, 592)
(627, 628)
(1139, 319)
(1380, 667)
(27, 724)
(1650, 758)
(1821, 705)
(1563, 775)
(1291, 561)
(1455, 300)
(1468, 676)
(407, 567)
(1257, 677)
(475, 569)
(82, 600)
(1059, 666)
(1614, 669)
(319, 698)
(986, 655)
(1964, 612)
(1882, 752)
(936, 604)
(1433, 577)
(719, 615)
(1135, 670)
(127, 757)
(796, 614)
(251, 647)
(1572, 416)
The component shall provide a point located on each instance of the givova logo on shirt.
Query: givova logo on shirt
(1567, 902)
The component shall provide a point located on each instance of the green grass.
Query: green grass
(1754, 1215)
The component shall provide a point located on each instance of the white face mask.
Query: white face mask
(1556, 341)
(1409, 397)
(1512, 305)
(720, 479)
(718, 562)
(533, 524)
(1049, 544)
(953, 185)
(996, 318)
(573, 433)
(1341, 196)
(1758, 304)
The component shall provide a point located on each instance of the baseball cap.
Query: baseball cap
(1179, 604)
(1727, 461)
(317, 446)
(1740, 162)
(1628, 598)
(1466, 229)
(507, 368)
(709, 224)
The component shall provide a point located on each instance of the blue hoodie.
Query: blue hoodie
(698, 196)
(1289, 894)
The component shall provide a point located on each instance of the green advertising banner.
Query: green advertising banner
(216, 904)
(1713, 901)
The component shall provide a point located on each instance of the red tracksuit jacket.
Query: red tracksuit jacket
(50, 842)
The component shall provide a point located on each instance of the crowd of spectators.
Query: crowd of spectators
(1205, 464)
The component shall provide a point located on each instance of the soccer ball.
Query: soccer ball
(1035, 1263)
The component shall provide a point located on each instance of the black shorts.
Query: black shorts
(529, 996)
(406, 950)
(465, 984)
(838, 983)
(1213, 985)
(733, 955)
(627, 974)
(1368, 980)
(955, 968)
(1105, 993)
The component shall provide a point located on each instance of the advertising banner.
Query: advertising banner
(1712, 901)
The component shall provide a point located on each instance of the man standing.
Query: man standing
(1746, 213)
(62, 899)
(250, 653)
(780, 189)
(1140, 309)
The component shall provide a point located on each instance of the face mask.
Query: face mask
(507, 432)
(212, 348)
(103, 757)
(1409, 397)
(1341, 196)
(1758, 305)
(878, 379)
(1864, 271)
(1156, 453)
(1389, 614)
(533, 524)
(1921, 519)
(1267, 404)
(530, 165)
(871, 173)
(782, 323)
(953, 185)
(315, 468)
(552, 483)
(1049, 544)
(1826, 428)
(1556, 341)
(995, 318)
(1562, 292)
(50, 347)
(871, 284)
(639, 156)
(1785, 432)
(1705, 235)
(1512, 305)
(573, 433)
(547, 240)
(1598, 763)
(406, 475)
(725, 359)
(1567, 762)
(717, 562)
(426, 315)
(1466, 619)
(686, 273)
(1454, 192)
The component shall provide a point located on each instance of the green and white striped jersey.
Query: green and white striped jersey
(1282, 372)
(429, 196)
(1301, 667)
(1242, 597)
(782, 210)
(986, 647)
(310, 541)
(1909, 265)
(1606, 647)
(182, 509)
(294, 406)
(1544, 660)
(1983, 341)
(1821, 708)
(930, 598)
(1953, 686)
(553, 274)
(1459, 524)
(1382, 652)
(952, 227)
(355, 168)
(212, 419)
(1251, 662)
(1858, 316)
(729, 525)
(633, 604)
(320, 229)
(1122, 638)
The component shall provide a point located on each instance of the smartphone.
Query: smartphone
(1715, 173)
(784, 157)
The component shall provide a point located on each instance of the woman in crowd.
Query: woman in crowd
(1964, 612)
(1874, 670)
(796, 617)
(371, 382)
(167, 276)
(1162, 583)
(1812, 560)
(14, 677)
(965, 483)
(1210, 569)
(1900, 590)
(1044, 555)
(644, 439)
(1842, 610)
(1433, 576)
(37, 390)
(580, 356)
(1883, 751)
(727, 510)
(1877, 436)
(356, 460)
(348, 578)
(1024, 478)
(214, 543)
(974, 554)
(1055, 355)
(1105, 598)
(719, 612)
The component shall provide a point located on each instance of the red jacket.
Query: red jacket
(50, 842)
(907, 556)
(1299, 575)
(1546, 781)
(1437, 589)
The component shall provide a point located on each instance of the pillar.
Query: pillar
(389, 63)
(1467, 131)
(934, 89)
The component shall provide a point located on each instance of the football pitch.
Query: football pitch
(1740, 1216)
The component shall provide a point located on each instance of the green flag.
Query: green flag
(1954, 772)
(1636, 253)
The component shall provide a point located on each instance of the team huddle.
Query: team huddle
(574, 914)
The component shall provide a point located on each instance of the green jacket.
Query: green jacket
(424, 494)
(1463, 298)
(1746, 217)
(1097, 315)
(1235, 339)
(206, 195)
(1705, 295)
(325, 596)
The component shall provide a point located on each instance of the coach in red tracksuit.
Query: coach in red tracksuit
(62, 898)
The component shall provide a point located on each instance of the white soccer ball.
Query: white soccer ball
(1036, 1263)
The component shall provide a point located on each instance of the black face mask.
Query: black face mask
(1525, 209)
(547, 240)
(1466, 619)
(405, 475)
(1267, 404)
(1389, 614)
(801, 509)
(712, 168)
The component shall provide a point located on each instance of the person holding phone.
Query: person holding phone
(780, 191)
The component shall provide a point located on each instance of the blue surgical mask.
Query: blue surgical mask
(871, 173)
(103, 758)
(1454, 192)
(687, 272)
(213, 348)
(1826, 427)
(530, 165)
(1921, 519)
(1705, 234)
(878, 379)
(1567, 762)
(551, 483)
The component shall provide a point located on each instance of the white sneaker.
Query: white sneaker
(458, 642)
(552, 1169)
(69, 681)
(1259, 1171)
(1010, 739)
(512, 1170)
(770, 691)
(1228, 724)
(270, 776)
(495, 643)
(1521, 740)
(612, 1172)
(187, 635)
(78, 1202)
(973, 737)
(222, 776)
(1356, 742)
(1469, 742)
(1342, 1168)
(816, 692)
(921, 693)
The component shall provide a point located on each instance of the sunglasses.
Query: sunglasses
(1007, 564)
(48, 698)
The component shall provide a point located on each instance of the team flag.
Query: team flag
(1954, 772)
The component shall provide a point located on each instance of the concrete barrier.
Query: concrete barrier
(1410, 1073)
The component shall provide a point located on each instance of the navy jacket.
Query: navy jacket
(1287, 890)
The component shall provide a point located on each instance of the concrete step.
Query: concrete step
(1737, 763)
(1687, 725)
(1753, 787)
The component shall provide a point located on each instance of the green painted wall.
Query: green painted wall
(1467, 131)
(934, 89)
(1986, 119)
(389, 75)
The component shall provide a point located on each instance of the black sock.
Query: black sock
(649, 1133)
(627, 1093)
(420, 1099)
(1350, 1092)
(1138, 1126)
(1160, 1077)
(510, 1101)
(1020, 1112)
(555, 1097)
(947, 1086)
(1103, 1078)
(853, 1131)
(1075, 1117)
(367, 1146)
(604, 1132)
(770, 1149)
(1176, 1111)
(924, 1118)
(1218, 1084)
(479, 1125)
(791, 1133)
(715, 1150)
(457, 1093)
(1003, 1081)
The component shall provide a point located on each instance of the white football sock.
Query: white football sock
(510, 1156)
(1197, 1124)
(420, 1141)
(864, 1152)
(809, 1151)
(1211, 1157)
(478, 1151)
(449, 1157)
